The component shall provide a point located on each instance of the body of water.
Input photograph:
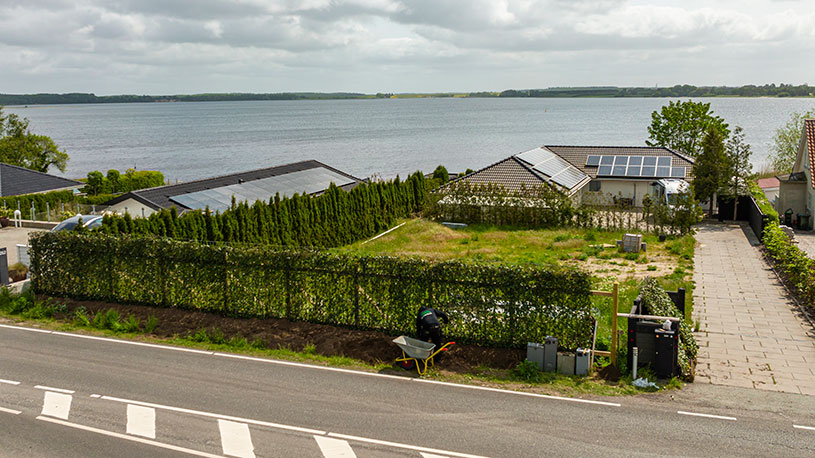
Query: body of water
(188, 141)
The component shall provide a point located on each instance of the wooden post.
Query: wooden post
(614, 304)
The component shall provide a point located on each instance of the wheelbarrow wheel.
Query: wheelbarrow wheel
(407, 365)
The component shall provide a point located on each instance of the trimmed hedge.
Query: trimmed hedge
(488, 304)
(657, 302)
(334, 218)
(53, 198)
(795, 266)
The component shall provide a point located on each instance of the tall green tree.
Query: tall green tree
(441, 174)
(711, 167)
(681, 126)
(19, 146)
(738, 159)
(786, 141)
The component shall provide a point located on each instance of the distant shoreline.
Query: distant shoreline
(749, 91)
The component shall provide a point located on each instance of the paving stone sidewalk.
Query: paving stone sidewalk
(751, 333)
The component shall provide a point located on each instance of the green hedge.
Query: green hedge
(795, 266)
(488, 304)
(115, 182)
(332, 219)
(657, 302)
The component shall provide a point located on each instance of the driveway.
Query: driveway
(10, 237)
(752, 334)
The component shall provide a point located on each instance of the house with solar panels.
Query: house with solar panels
(623, 173)
(307, 177)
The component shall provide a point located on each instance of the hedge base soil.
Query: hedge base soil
(369, 346)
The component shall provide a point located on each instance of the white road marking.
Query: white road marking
(706, 415)
(519, 393)
(236, 439)
(288, 427)
(430, 455)
(404, 446)
(9, 382)
(129, 438)
(141, 421)
(58, 390)
(26, 329)
(130, 342)
(56, 405)
(809, 428)
(312, 366)
(334, 448)
(215, 415)
(11, 411)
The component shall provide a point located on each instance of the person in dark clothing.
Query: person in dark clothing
(429, 328)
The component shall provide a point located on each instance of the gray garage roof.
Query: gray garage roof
(15, 181)
(309, 177)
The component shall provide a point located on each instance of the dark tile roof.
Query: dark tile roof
(159, 197)
(511, 173)
(809, 138)
(15, 181)
(576, 155)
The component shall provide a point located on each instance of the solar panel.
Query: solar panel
(569, 178)
(677, 172)
(633, 170)
(535, 156)
(220, 199)
(635, 160)
(607, 160)
(618, 171)
(604, 170)
(620, 160)
(663, 172)
(592, 161)
(664, 161)
(648, 170)
(649, 160)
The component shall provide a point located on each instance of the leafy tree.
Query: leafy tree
(113, 178)
(786, 142)
(681, 126)
(96, 183)
(740, 168)
(19, 146)
(441, 174)
(711, 167)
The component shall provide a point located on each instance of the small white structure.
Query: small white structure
(796, 191)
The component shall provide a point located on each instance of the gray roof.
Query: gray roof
(15, 181)
(248, 186)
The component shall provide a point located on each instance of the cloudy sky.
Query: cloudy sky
(189, 46)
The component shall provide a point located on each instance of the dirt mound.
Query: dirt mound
(369, 346)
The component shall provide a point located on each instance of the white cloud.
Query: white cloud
(397, 45)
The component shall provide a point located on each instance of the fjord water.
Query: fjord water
(188, 141)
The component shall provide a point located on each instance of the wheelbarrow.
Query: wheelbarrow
(418, 353)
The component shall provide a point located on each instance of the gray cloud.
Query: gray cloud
(161, 46)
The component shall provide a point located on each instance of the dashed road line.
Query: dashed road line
(808, 428)
(11, 411)
(141, 421)
(58, 390)
(212, 415)
(402, 446)
(706, 415)
(9, 382)
(334, 448)
(129, 438)
(236, 439)
(56, 405)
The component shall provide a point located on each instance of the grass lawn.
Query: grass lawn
(595, 251)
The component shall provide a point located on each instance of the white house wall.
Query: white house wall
(628, 189)
(135, 208)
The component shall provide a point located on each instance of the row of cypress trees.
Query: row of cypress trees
(331, 219)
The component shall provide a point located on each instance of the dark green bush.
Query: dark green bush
(488, 304)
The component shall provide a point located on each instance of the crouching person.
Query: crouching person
(429, 328)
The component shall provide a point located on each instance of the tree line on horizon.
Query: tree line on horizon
(680, 90)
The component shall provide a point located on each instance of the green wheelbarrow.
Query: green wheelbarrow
(418, 354)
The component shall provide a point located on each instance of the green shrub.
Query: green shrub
(632, 256)
(200, 336)
(590, 235)
(81, 317)
(310, 349)
(111, 320)
(132, 324)
(526, 371)
(151, 324)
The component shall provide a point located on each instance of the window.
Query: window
(594, 185)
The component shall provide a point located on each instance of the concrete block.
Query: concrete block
(534, 353)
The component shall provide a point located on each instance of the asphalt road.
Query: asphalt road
(64, 395)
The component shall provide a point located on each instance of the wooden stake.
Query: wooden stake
(614, 304)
